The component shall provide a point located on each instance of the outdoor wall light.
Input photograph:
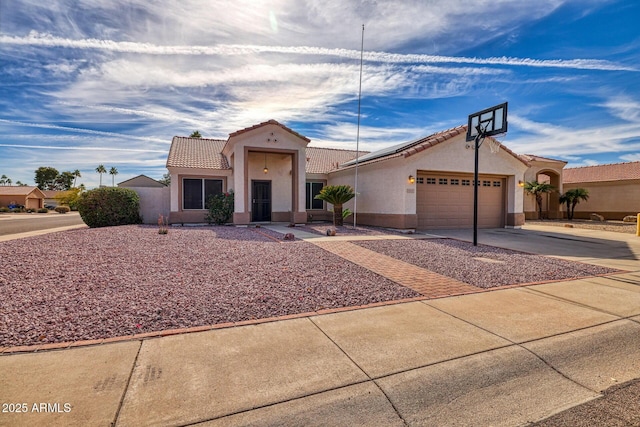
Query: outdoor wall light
(266, 169)
(412, 179)
(520, 183)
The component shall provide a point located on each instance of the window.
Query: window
(313, 189)
(442, 181)
(486, 183)
(196, 191)
(466, 182)
(496, 183)
(431, 180)
(420, 180)
(455, 181)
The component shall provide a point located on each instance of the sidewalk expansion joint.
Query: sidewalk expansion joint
(576, 303)
(126, 387)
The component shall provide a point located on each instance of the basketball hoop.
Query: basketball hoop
(494, 145)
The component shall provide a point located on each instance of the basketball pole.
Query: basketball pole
(355, 190)
(476, 183)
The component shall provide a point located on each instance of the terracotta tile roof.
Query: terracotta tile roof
(197, 153)
(533, 158)
(414, 147)
(610, 172)
(323, 160)
(269, 122)
(16, 190)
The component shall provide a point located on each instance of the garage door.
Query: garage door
(446, 201)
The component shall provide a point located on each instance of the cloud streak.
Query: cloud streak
(47, 40)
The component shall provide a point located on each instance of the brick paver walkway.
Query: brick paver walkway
(426, 282)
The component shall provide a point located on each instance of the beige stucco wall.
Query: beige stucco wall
(269, 138)
(279, 174)
(384, 187)
(176, 182)
(612, 199)
(550, 205)
(154, 201)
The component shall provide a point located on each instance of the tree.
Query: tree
(113, 172)
(63, 181)
(537, 189)
(572, 197)
(46, 178)
(20, 184)
(9, 181)
(101, 169)
(76, 175)
(3, 179)
(166, 179)
(337, 195)
(195, 134)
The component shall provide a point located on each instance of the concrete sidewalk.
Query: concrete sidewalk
(502, 358)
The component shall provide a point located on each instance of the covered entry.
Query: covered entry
(445, 200)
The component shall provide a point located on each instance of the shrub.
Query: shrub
(220, 208)
(62, 209)
(109, 206)
(4, 209)
(16, 210)
(43, 210)
(30, 210)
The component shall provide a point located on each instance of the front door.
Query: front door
(261, 201)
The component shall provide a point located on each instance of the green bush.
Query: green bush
(30, 210)
(43, 210)
(220, 208)
(16, 210)
(62, 209)
(109, 206)
(4, 209)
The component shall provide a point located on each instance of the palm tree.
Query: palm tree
(337, 195)
(76, 174)
(195, 134)
(113, 172)
(3, 180)
(572, 197)
(101, 169)
(537, 189)
(9, 181)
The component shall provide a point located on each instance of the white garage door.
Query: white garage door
(446, 201)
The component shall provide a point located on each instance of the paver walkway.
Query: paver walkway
(425, 282)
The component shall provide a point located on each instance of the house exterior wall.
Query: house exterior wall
(179, 215)
(279, 174)
(273, 140)
(387, 198)
(550, 207)
(612, 199)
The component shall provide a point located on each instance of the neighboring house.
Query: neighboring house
(141, 181)
(29, 197)
(51, 197)
(154, 197)
(614, 189)
(426, 183)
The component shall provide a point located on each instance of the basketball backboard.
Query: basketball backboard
(492, 121)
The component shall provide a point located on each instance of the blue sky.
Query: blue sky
(89, 82)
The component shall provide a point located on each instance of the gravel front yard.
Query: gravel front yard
(482, 266)
(105, 282)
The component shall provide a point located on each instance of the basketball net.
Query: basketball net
(494, 144)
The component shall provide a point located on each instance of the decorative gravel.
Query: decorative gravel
(482, 266)
(345, 230)
(106, 282)
(617, 226)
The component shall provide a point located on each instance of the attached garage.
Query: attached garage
(445, 200)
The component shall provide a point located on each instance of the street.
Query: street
(22, 223)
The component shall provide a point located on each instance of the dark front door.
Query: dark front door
(261, 201)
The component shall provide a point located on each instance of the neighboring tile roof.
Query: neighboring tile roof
(610, 172)
(269, 122)
(533, 158)
(197, 153)
(16, 190)
(323, 160)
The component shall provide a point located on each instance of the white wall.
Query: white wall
(153, 202)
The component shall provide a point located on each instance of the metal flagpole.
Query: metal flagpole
(355, 199)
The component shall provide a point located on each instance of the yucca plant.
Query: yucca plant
(337, 195)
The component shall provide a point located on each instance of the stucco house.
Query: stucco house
(614, 189)
(29, 197)
(425, 183)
